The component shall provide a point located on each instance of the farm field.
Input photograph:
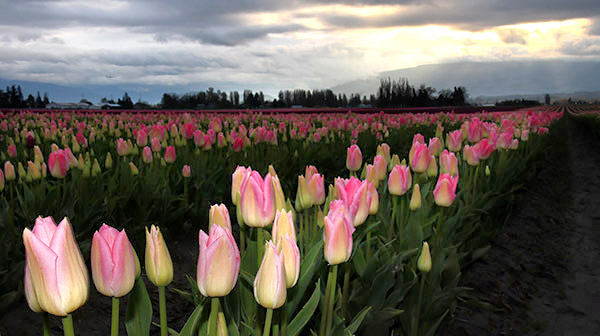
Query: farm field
(388, 214)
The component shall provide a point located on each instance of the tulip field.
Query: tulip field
(299, 223)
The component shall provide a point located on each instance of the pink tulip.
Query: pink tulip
(237, 178)
(56, 279)
(283, 225)
(485, 149)
(524, 135)
(218, 214)
(316, 187)
(170, 154)
(504, 140)
(218, 262)
(380, 165)
(419, 157)
(448, 163)
(186, 171)
(471, 155)
(384, 150)
(9, 171)
(435, 146)
(122, 148)
(371, 175)
(199, 138)
(156, 145)
(374, 199)
(454, 140)
(475, 130)
(400, 180)
(445, 190)
(356, 197)
(147, 155)
(141, 138)
(113, 262)
(58, 164)
(353, 158)
(221, 142)
(238, 144)
(1, 180)
(257, 199)
(337, 234)
(419, 138)
(188, 130)
(291, 260)
(514, 144)
(12, 150)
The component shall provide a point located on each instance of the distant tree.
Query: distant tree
(46, 101)
(30, 101)
(125, 102)
(547, 99)
(38, 101)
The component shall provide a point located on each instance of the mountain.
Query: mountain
(492, 78)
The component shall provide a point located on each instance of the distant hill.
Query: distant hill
(589, 96)
(493, 78)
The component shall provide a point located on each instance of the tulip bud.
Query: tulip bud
(432, 169)
(21, 171)
(33, 171)
(279, 196)
(186, 171)
(133, 168)
(237, 178)
(395, 161)
(9, 171)
(337, 234)
(257, 200)
(487, 171)
(448, 163)
(353, 158)
(415, 199)
(159, 267)
(419, 157)
(283, 225)
(445, 190)
(316, 187)
(356, 196)
(37, 154)
(374, 199)
(108, 161)
(170, 154)
(291, 260)
(454, 140)
(270, 282)
(514, 144)
(424, 261)
(303, 198)
(1, 180)
(147, 155)
(371, 175)
(471, 155)
(435, 146)
(113, 262)
(384, 151)
(218, 262)
(56, 279)
(58, 164)
(218, 214)
(122, 148)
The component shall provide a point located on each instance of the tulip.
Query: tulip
(141, 138)
(448, 163)
(419, 157)
(237, 178)
(58, 164)
(9, 171)
(454, 140)
(380, 165)
(134, 169)
(384, 150)
(170, 154)
(218, 262)
(374, 199)
(471, 155)
(218, 214)
(524, 135)
(485, 149)
(155, 145)
(418, 138)
(514, 144)
(435, 146)
(186, 171)
(113, 262)
(96, 168)
(424, 261)
(108, 161)
(159, 267)
(371, 175)
(122, 147)
(303, 197)
(415, 199)
(257, 200)
(147, 155)
(316, 187)
(337, 234)
(504, 140)
(487, 171)
(37, 154)
(270, 282)
(283, 225)
(356, 196)
(1, 180)
(291, 260)
(400, 180)
(353, 158)
(238, 144)
(56, 278)
(445, 190)
(12, 151)
(475, 130)
(395, 161)
(279, 196)
(432, 169)
(33, 171)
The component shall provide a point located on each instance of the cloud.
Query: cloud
(582, 47)
(594, 28)
(512, 36)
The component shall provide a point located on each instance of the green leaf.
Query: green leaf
(139, 310)
(305, 314)
(308, 267)
(192, 323)
(357, 320)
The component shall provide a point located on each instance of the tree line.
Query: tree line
(13, 97)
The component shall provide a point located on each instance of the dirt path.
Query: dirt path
(542, 276)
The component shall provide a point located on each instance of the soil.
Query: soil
(542, 275)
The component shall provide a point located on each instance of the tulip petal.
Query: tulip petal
(124, 271)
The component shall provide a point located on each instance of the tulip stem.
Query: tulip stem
(259, 245)
(68, 325)
(268, 319)
(331, 299)
(346, 288)
(394, 209)
(325, 305)
(114, 327)
(212, 320)
(162, 302)
(284, 321)
(416, 330)
(46, 324)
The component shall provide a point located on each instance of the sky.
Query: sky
(279, 44)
